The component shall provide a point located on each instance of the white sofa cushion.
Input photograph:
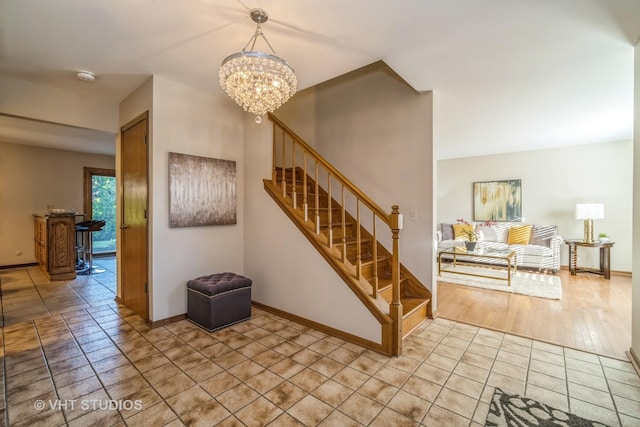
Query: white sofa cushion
(536, 250)
(487, 233)
(485, 244)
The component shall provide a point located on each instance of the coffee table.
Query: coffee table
(494, 258)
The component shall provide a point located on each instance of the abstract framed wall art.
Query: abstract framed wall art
(202, 191)
(497, 200)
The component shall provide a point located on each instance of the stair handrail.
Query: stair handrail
(381, 213)
(393, 220)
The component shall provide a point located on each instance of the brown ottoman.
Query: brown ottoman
(218, 300)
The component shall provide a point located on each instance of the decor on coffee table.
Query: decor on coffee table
(508, 410)
(497, 200)
(500, 260)
(523, 282)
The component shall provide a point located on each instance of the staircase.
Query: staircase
(346, 227)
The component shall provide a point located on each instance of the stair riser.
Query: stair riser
(337, 231)
(410, 322)
(367, 270)
(352, 251)
(336, 215)
(288, 174)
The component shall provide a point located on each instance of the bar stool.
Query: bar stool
(84, 263)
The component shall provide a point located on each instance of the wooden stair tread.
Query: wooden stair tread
(349, 240)
(336, 224)
(415, 302)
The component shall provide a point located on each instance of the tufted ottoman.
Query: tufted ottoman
(218, 300)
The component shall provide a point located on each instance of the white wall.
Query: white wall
(32, 179)
(553, 181)
(635, 304)
(189, 121)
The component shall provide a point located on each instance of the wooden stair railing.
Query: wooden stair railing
(326, 211)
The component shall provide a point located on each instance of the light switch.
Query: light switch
(413, 215)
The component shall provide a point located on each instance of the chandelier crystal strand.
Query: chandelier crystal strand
(259, 82)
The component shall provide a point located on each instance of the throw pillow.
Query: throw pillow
(519, 235)
(462, 231)
(488, 233)
(447, 231)
(541, 235)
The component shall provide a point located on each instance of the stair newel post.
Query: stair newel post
(375, 257)
(293, 174)
(273, 157)
(329, 216)
(305, 204)
(344, 228)
(317, 201)
(395, 307)
(284, 156)
(358, 242)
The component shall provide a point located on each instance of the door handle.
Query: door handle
(123, 226)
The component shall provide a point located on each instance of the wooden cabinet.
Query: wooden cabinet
(55, 245)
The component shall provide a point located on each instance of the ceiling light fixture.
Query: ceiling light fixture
(86, 76)
(259, 82)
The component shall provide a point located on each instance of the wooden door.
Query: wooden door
(134, 258)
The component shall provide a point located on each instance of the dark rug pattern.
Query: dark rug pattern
(512, 410)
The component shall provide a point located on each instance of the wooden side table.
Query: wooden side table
(605, 257)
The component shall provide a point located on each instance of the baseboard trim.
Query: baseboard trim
(163, 322)
(29, 264)
(322, 328)
(635, 360)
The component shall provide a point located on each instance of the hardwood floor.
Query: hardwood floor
(594, 314)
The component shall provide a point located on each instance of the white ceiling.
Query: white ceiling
(508, 75)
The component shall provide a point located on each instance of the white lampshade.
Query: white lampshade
(589, 211)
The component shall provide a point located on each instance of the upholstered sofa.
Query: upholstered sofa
(536, 246)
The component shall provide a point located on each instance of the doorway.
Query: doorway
(100, 204)
(134, 221)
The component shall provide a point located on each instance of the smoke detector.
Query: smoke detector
(86, 76)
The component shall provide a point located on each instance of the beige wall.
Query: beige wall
(31, 180)
(27, 99)
(377, 132)
(635, 315)
(553, 181)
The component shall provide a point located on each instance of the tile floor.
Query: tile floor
(89, 361)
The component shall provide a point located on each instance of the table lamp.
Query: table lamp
(588, 212)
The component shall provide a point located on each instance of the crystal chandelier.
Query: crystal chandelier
(259, 82)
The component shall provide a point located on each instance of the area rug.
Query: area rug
(508, 410)
(523, 282)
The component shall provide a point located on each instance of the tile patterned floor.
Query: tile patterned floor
(97, 363)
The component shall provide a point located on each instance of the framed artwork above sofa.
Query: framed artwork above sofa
(497, 200)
